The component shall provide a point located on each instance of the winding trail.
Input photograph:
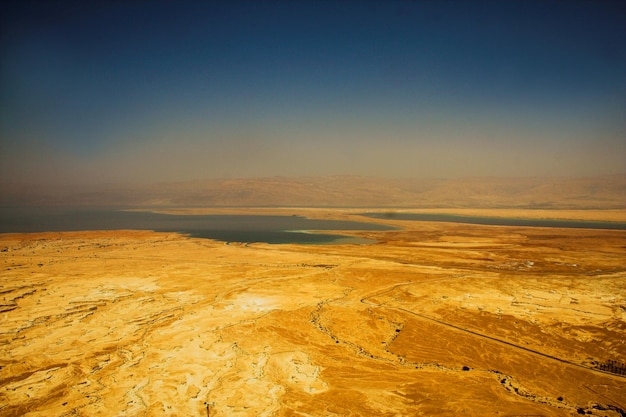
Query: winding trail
(366, 301)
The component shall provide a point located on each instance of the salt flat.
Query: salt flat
(435, 319)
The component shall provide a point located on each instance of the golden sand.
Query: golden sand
(436, 319)
(608, 215)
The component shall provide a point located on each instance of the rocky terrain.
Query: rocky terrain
(435, 319)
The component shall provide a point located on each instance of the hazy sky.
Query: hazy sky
(97, 91)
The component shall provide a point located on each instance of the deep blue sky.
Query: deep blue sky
(96, 91)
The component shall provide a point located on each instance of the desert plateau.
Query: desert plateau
(312, 208)
(434, 319)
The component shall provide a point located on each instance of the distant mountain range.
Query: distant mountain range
(602, 192)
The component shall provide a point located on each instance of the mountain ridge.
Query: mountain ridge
(601, 192)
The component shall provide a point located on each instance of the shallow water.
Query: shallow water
(229, 228)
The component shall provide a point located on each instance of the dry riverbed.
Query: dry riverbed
(435, 319)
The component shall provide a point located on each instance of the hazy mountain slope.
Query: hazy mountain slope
(596, 192)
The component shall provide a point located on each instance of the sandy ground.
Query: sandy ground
(436, 319)
(610, 215)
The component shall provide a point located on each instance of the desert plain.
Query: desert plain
(434, 319)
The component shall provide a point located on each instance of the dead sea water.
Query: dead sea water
(228, 228)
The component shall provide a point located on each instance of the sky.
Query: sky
(151, 91)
